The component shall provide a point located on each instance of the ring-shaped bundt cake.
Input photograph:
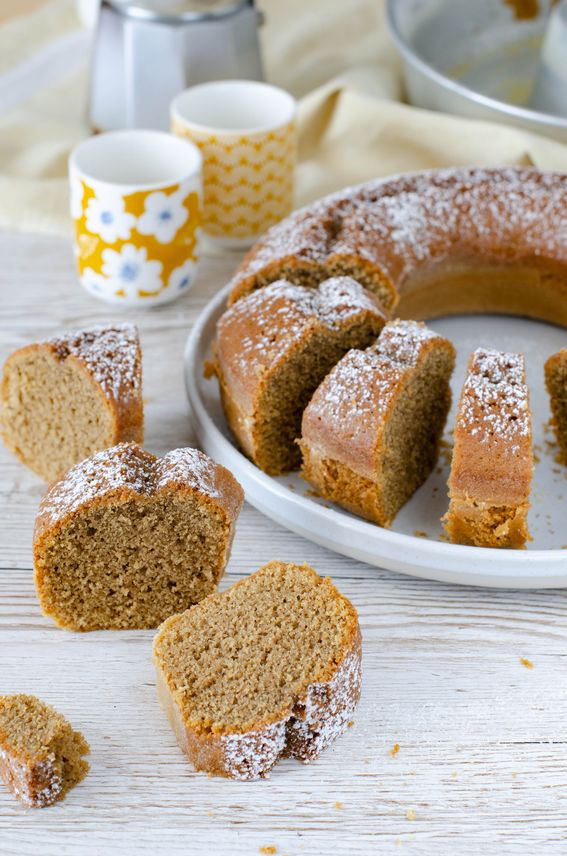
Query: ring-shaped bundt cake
(433, 243)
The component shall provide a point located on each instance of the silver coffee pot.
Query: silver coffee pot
(147, 51)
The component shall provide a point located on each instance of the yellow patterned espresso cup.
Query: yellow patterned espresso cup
(136, 207)
(248, 137)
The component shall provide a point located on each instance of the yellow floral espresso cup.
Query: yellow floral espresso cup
(136, 207)
(248, 137)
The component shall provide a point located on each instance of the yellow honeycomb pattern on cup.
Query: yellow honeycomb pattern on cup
(248, 178)
(139, 246)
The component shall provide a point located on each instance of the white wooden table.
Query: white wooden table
(482, 760)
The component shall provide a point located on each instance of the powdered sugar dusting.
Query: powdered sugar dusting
(252, 755)
(401, 223)
(188, 467)
(363, 382)
(111, 354)
(127, 467)
(312, 726)
(328, 709)
(281, 313)
(494, 404)
(401, 342)
(19, 777)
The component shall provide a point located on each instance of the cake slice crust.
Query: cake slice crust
(41, 755)
(126, 539)
(266, 669)
(492, 465)
(71, 396)
(273, 349)
(371, 432)
(556, 383)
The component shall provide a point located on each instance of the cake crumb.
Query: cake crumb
(446, 451)
(268, 850)
(312, 493)
(350, 723)
(394, 750)
(339, 804)
(209, 369)
(419, 533)
(410, 814)
(527, 663)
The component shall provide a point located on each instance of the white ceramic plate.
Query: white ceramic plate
(286, 499)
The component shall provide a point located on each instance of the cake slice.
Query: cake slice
(71, 396)
(556, 382)
(267, 669)
(41, 756)
(370, 434)
(125, 539)
(492, 466)
(273, 349)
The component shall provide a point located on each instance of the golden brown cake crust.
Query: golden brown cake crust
(259, 335)
(301, 730)
(127, 472)
(492, 466)
(112, 358)
(386, 233)
(344, 428)
(556, 383)
(109, 359)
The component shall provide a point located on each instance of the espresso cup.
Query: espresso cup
(247, 134)
(136, 207)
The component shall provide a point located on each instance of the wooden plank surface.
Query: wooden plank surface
(482, 761)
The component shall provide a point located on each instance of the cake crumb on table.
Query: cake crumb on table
(527, 663)
(394, 750)
(410, 814)
(269, 850)
(339, 804)
(419, 533)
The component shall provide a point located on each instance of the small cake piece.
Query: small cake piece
(267, 669)
(371, 432)
(274, 348)
(556, 382)
(41, 756)
(491, 471)
(71, 396)
(126, 539)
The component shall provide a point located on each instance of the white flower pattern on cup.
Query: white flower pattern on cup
(163, 215)
(94, 281)
(108, 218)
(77, 192)
(131, 271)
(182, 276)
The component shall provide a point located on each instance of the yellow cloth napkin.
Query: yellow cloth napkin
(335, 56)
